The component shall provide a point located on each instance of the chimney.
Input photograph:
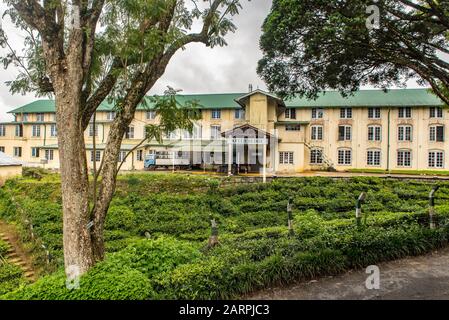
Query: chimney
(250, 87)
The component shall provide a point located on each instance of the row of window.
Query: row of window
(373, 158)
(373, 113)
(39, 117)
(436, 133)
(35, 130)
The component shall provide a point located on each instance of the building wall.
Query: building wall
(9, 172)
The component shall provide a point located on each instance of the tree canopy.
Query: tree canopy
(313, 45)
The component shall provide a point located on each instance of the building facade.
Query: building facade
(401, 129)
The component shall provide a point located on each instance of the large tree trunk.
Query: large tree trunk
(67, 80)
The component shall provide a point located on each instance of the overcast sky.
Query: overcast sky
(195, 70)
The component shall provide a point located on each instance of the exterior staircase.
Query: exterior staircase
(328, 165)
(14, 258)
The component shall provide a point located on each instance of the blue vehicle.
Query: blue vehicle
(167, 160)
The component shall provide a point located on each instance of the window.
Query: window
(436, 133)
(39, 117)
(215, 132)
(19, 130)
(53, 116)
(404, 158)
(216, 114)
(290, 113)
(2, 149)
(373, 113)
(405, 112)
(139, 155)
(344, 157)
(111, 115)
(435, 112)
(346, 113)
(18, 152)
(316, 156)
(35, 152)
(53, 130)
(317, 113)
(129, 133)
(151, 115)
(293, 127)
(317, 133)
(122, 156)
(239, 114)
(2, 130)
(36, 131)
(405, 133)
(373, 158)
(374, 133)
(97, 156)
(93, 130)
(436, 159)
(25, 117)
(286, 157)
(344, 133)
(49, 154)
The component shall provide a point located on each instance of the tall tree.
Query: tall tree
(312, 45)
(84, 52)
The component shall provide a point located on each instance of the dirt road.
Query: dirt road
(423, 277)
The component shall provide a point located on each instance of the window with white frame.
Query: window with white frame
(216, 114)
(111, 115)
(215, 132)
(122, 156)
(36, 131)
(374, 113)
(405, 112)
(139, 155)
(19, 130)
(344, 157)
(404, 158)
(97, 156)
(293, 127)
(290, 113)
(405, 133)
(435, 112)
(93, 130)
(436, 133)
(2, 149)
(239, 114)
(316, 156)
(53, 130)
(49, 154)
(17, 152)
(344, 133)
(25, 117)
(39, 117)
(346, 113)
(151, 114)
(373, 157)
(436, 159)
(2, 130)
(35, 152)
(316, 132)
(286, 157)
(374, 133)
(129, 133)
(317, 113)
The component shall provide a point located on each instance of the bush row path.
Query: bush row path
(423, 277)
(16, 254)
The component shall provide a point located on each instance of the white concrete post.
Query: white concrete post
(264, 161)
(230, 149)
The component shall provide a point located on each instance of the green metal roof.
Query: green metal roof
(370, 98)
(328, 99)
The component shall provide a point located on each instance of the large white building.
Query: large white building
(402, 129)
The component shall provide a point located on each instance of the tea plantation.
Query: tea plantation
(158, 226)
